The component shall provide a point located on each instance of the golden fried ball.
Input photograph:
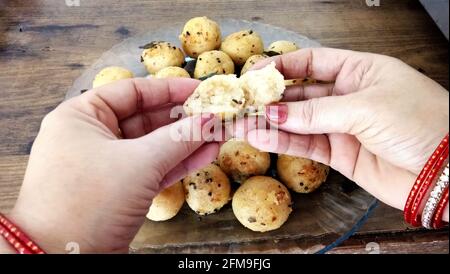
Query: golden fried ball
(262, 204)
(282, 46)
(207, 190)
(300, 174)
(159, 55)
(200, 34)
(215, 61)
(239, 160)
(170, 72)
(167, 203)
(251, 61)
(111, 74)
(241, 45)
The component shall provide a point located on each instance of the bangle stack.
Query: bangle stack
(433, 176)
(17, 238)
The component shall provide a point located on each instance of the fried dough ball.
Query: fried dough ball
(239, 160)
(111, 74)
(282, 46)
(300, 174)
(207, 190)
(167, 203)
(241, 45)
(220, 94)
(159, 55)
(213, 62)
(170, 72)
(200, 34)
(262, 204)
(263, 86)
(251, 61)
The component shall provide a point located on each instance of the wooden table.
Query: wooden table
(45, 45)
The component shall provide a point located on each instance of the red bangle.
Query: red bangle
(437, 219)
(423, 175)
(17, 238)
(430, 180)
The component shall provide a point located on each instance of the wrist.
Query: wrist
(43, 233)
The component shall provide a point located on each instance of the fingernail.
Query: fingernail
(206, 117)
(277, 113)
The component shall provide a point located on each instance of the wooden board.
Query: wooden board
(45, 45)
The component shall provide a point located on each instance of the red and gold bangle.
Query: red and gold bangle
(437, 219)
(12, 240)
(423, 175)
(17, 238)
(429, 181)
(436, 195)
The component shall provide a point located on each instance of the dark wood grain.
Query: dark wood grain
(45, 45)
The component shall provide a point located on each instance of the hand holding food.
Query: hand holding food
(377, 124)
(98, 187)
(228, 96)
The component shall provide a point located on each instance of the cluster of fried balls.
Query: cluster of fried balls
(260, 203)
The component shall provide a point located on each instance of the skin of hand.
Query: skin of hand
(377, 122)
(85, 184)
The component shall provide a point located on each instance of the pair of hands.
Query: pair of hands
(377, 124)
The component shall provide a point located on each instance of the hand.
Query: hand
(377, 124)
(84, 184)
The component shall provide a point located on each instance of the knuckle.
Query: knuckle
(307, 113)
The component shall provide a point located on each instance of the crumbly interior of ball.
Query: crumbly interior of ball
(263, 86)
(220, 94)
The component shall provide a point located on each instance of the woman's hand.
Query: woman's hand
(377, 124)
(86, 185)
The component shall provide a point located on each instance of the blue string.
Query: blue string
(352, 231)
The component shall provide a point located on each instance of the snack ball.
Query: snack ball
(200, 34)
(159, 55)
(282, 46)
(167, 203)
(251, 61)
(262, 204)
(213, 62)
(239, 160)
(241, 45)
(171, 72)
(300, 174)
(111, 74)
(207, 190)
(219, 94)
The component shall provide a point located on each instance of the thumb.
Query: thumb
(330, 114)
(175, 142)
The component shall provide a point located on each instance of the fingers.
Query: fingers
(115, 102)
(203, 156)
(340, 151)
(143, 123)
(129, 96)
(330, 114)
(173, 143)
(314, 147)
(300, 93)
(319, 63)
